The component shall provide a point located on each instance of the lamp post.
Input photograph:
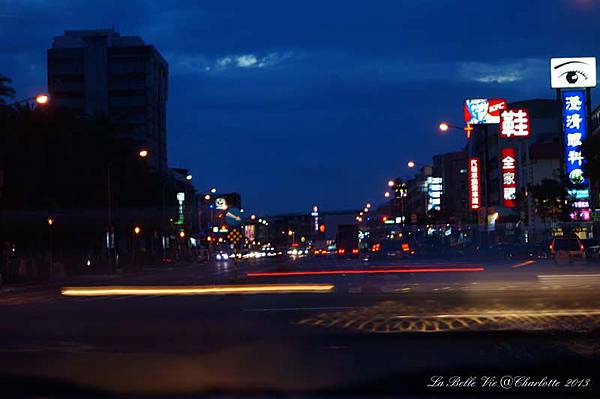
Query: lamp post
(444, 127)
(142, 154)
(50, 224)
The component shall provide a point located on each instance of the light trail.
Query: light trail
(195, 290)
(367, 271)
(522, 264)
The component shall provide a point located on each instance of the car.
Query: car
(566, 249)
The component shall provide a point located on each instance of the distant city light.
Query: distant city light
(207, 197)
(368, 204)
(253, 217)
(213, 190)
(137, 230)
(188, 177)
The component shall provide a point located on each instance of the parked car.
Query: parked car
(566, 248)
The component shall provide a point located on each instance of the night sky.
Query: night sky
(295, 103)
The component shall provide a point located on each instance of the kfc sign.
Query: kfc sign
(474, 180)
(509, 177)
(480, 111)
(514, 123)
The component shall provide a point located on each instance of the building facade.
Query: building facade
(100, 72)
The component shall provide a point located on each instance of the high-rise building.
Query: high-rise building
(100, 72)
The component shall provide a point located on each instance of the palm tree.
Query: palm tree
(6, 91)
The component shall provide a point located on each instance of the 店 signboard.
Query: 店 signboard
(508, 163)
(568, 73)
(474, 183)
(514, 123)
(482, 111)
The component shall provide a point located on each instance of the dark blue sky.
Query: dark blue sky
(295, 103)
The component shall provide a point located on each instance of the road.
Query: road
(376, 327)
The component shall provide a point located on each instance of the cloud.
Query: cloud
(502, 73)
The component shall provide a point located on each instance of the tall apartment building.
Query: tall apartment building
(102, 72)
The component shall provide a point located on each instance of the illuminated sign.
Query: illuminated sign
(180, 215)
(434, 193)
(250, 232)
(480, 111)
(514, 123)
(509, 177)
(579, 193)
(315, 215)
(220, 203)
(474, 180)
(568, 73)
(575, 129)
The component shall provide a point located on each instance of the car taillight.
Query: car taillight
(341, 251)
(355, 251)
(551, 247)
(581, 248)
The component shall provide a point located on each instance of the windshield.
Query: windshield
(392, 198)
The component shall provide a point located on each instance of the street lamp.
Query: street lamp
(213, 190)
(387, 194)
(42, 99)
(391, 183)
(189, 177)
(143, 153)
(411, 164)
(137, 230)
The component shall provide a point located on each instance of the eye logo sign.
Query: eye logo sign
(566, 73)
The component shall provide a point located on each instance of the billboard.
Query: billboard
(474, 183)
(508, 163)
(568, 73)
(481, 111)
(575, 129)
(514, 123)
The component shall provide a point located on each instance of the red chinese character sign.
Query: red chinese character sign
(474, 180)
(514, 123)
(509, 177)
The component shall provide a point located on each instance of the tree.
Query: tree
(551, 200)
(6, 90)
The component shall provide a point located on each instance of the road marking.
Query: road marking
(526, 263)
(298, 309)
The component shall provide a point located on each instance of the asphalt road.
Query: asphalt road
(384, 327)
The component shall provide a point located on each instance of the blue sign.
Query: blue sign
(575, 130)
(233, 217)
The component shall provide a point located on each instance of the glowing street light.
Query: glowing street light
(444, 127)
(411, 164)
(368, 205)
(143, 153)
(50, 221)
(189, 177)
(253, 217)
(391, 183)
(42, 99)
(387, 194)
(207, 197)
(213, 190)
(137, 230)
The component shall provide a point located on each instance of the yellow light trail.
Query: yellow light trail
(195, 290)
